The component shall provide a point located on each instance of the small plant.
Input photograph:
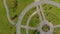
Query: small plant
(13, 3)
(45, 28)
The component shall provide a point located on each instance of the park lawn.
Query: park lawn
(57, 31)
(5, 26)
(53, 16)
(21, 5)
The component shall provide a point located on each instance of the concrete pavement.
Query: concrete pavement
(18, 25)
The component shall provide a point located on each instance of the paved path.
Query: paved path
(7, 13)
(18, 25)
(56, 26)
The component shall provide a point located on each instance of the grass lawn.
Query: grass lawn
(52, 14)
(5, 26)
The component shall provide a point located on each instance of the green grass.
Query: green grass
(5, 26)
(53, 14)
(45, 28)
(57, 31)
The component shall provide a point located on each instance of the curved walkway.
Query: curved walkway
(18, 25)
